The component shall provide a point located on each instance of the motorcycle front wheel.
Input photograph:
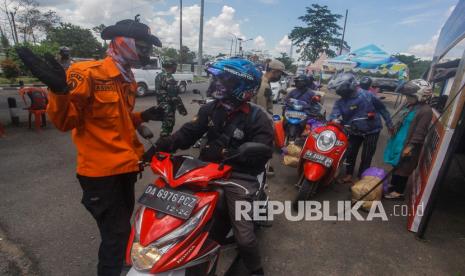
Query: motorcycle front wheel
(306, 191)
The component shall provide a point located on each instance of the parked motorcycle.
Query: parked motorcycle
(182, 223)
(323, 153)
(294, 121)
(320, 157)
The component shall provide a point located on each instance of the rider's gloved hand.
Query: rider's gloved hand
(155, 113)
(47, 70)
(214, 152)
(165, 144)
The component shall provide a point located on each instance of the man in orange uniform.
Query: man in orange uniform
(95, 100)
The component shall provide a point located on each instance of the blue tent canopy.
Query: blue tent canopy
(368, 57)
(372, 59)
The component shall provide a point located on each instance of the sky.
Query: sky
(396, 26)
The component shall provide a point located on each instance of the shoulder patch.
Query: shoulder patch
(74, 79)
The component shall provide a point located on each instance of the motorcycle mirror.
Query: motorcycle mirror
(145, 132)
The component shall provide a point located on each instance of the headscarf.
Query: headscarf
(123, 52)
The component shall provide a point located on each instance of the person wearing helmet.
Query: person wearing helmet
(167, 92)
(230, 121)
(96, 101)
(303, 92)
(365, 84)
(361, 111)
(411, 124)
(64, 57)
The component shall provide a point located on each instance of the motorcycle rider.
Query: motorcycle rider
(365, 84)
(167, 92)
(303, 92)
(361, 111)
(230, 121)
(95, 100)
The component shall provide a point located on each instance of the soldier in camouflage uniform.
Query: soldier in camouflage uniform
(167, 92)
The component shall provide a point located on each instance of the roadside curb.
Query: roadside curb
(16, 259)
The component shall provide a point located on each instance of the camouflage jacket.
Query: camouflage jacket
(166, 87)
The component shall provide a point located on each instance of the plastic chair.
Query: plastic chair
(38, 107)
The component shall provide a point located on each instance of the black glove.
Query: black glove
(47, 70)
(182, 110)
(155, 113)
(213, 152)
(165, 144)
(147, 157)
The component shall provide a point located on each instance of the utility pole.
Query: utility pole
(240, 46)
(180, 33)
(343, 34)
(230, 50)
(200, 54)
(291, 50)
(14, 27)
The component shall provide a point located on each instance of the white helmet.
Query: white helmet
(418, 88)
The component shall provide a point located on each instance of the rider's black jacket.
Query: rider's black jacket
(229, 131)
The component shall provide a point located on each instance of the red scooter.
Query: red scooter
(321, 156)
(183, 222)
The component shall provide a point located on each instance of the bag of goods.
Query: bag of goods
(370, 178)
(291, 155)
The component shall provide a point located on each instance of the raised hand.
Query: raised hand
(47, 70)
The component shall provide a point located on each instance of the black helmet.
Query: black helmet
(344, 84)
(130, 28)
(365, 83)
(301, 81)
(64, 51)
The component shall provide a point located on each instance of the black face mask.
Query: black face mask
(144, 60)
(300, 85)
(143, 51)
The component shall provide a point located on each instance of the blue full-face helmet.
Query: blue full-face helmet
(236, 79)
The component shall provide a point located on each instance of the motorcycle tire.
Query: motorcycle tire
(306, 191)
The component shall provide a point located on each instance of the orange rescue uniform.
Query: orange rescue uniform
(99, 111)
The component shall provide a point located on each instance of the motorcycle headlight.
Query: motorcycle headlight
(144, 258)
(326, 140)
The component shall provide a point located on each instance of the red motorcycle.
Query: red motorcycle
(321, 156)
(183, 222)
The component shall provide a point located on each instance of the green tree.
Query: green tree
(321, 34)
(10, 69)
(80, 40)
(417, 67)
(287, 60)
(168, 53)
(38, 49)
(186, 55)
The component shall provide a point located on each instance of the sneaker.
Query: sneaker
(394, 195)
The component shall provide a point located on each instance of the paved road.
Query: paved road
(40, 212)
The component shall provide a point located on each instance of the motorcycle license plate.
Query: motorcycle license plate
(295, 114)
(169, 201)
(318, 158)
